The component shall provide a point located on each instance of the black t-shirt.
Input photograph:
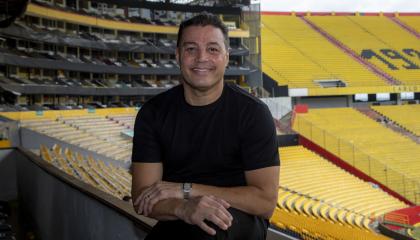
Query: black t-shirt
(212, 144)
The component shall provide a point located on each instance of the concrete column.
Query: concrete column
(349, 101)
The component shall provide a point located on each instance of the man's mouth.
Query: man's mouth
(202, 69)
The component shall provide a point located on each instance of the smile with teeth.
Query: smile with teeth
(201, 69)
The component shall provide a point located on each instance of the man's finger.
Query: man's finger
(146, 202)
(138, 199)
(206, 228)
(218, 221)
(224, 203)
(149, 203)
(225, 216)
(220, 204)
(143, 199)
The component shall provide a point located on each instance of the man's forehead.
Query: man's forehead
(208, 34)
(186, 43)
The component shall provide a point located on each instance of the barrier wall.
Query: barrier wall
(65, 208)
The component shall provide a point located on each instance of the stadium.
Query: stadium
(343, 89)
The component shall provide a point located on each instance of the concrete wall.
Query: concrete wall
(8, 187)
(325, 102)
(63, 209)
(278, 106)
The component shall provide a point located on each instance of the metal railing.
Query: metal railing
(395, 180)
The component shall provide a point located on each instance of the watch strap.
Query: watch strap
(186, 189)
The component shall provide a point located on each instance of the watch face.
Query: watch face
(187, 186)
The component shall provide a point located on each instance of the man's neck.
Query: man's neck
(196, 97)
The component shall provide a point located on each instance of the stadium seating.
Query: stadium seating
(305, 227)
(312, 186)
(124, 119)
(407, 116)
(370, 37)
(296, 55)
(411, 21)
(95, 133)
(318, 200)
(387, 156)
(106, 177)
(311, 190)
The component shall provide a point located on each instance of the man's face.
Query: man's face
(202, 57)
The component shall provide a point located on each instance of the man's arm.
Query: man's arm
(259, 197)
(194, 211)
(144, 176)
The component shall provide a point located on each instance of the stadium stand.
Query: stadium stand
(365, 144)
(110, 179)
(407, 116)
(98, 52)
(411, 21)
(323, 199)
(306, 57)
(314, 180)
(326, 54)
(78, 57)
(368, 36)
(94, 133)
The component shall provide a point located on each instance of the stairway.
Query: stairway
(387, 123)
(386, 77)
(405, 26)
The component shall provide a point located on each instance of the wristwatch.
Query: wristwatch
(186, 189)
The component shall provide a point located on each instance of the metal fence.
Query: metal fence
(354, 156)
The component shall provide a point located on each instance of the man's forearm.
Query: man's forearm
(165, 209)
(249, 199)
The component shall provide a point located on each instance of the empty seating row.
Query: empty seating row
(407, 116)
(106, 177)
(295, 54)
(315, 187)
(378, 40)
(387, 156)
(99, 135)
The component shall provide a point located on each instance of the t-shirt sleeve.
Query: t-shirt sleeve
(259, 147)
(146, 147)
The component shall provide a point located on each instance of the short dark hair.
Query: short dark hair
(204, 19)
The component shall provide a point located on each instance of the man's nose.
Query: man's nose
(202, 55)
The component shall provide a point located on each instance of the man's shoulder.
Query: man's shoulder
(243, 97)
(164, 99)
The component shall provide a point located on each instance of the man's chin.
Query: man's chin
(201, 86)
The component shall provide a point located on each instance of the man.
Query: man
(205, 157)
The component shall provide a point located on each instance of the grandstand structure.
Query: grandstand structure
(407, 116)
(377, 151)
(342, 54)
(74, 73)
(73, 54)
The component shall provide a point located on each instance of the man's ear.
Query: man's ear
(177, 56)
(227, 59)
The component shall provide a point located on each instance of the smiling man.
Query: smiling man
(205, 158)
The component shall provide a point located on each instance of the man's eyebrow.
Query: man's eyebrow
(189, 43)
(213, 43)
(194, 43)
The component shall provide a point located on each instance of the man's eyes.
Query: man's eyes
(211, 50)
(190, 49)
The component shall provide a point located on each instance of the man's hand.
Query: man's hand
(197, 210)
(158, 191)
